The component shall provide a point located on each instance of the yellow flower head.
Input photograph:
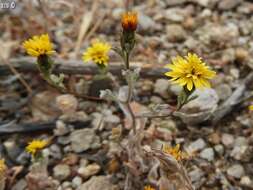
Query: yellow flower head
(35, 146)
(251, 107)
(175, 152)
(39, 45)
(2, 167)
(148, 187)
(129, 21)
(98, 53)
(190, 71)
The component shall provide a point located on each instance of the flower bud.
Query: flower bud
(129, 21)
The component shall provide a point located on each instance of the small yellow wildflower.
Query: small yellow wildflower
(175, 152)
(98, 53)
(251, 107)
(148, 187)
(39, 45)
(36, 145)
(2, 167)
(190, 71)
(129, 21)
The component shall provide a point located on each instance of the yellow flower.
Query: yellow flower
(39, 45)
(251, 107)
(98, 53)
(175, 152)
(190, 71)
(2, 167)
(129, 21)
(148, 187)
(36, 145)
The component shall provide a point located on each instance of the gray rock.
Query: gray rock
(236, 171)
(84, 139)
(117, 12)
(246, 122)
(84, 162)
(206, 13)
(207, 154)
(235, 73)
(238, 152)
(223, 91)
(55, 151)
(197, 145)
(23, 158)
(164, 133)
(61, 128)
(161, 87)
(175, 89)
(156, 100)
(213, 33)
(241, 141)
(246, 181)
(12, 148)
(98, 183)
(175, 33)
(196, 174)
(110, 118)
(240, 148)
(228, 4)
(146, 23)
(191, 43)
(77, 182)
(228, 56)
(175, 14)
(219, 149)
(227, 139)
(66, 185)
(89, 170)
(63, 140)
(61, 172)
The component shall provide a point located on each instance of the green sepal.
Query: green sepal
(184, 97)
(103, 69)
(45, 64)
(127, 41)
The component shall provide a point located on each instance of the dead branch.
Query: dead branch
(11, 127)
(238, 95)
(73, 67)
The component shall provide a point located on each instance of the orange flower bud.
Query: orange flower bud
(129, 21)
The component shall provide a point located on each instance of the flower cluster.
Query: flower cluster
(39, 45)
(190, 72)
(251, 107)
(98, 53)
(175, 152)
(36, 146)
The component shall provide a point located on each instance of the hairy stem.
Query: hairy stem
(129, 95)
(127, 60)
(133, 120)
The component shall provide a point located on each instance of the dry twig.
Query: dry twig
(26, 64)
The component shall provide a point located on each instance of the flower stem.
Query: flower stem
(132, 117)
(127, 60)
(129, 94)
